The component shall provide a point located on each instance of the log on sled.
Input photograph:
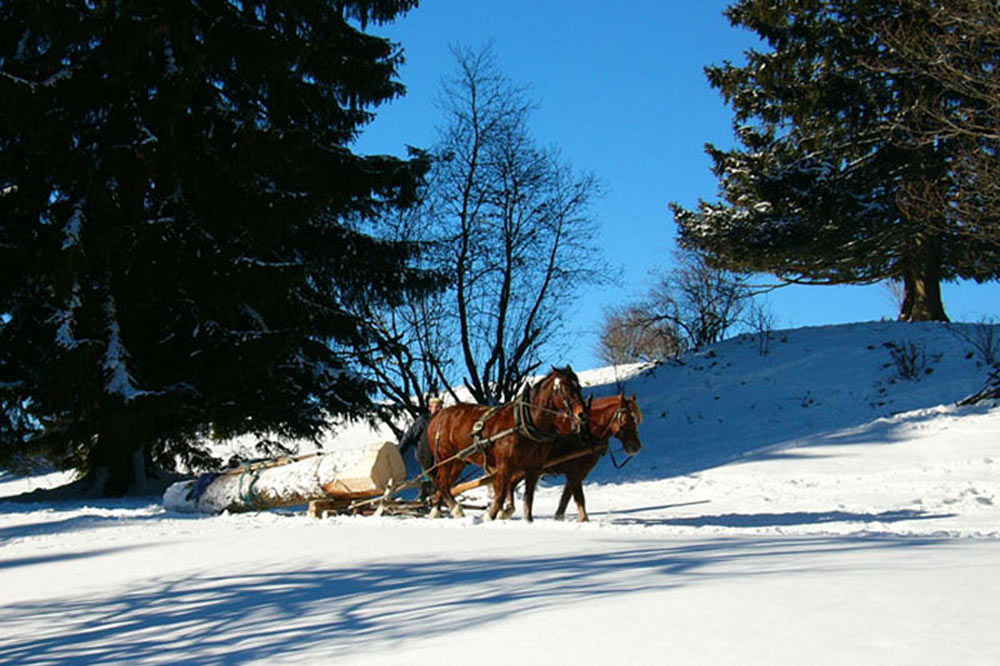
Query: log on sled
(341, 474)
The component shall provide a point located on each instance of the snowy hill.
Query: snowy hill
(824, 502)
(813, 385)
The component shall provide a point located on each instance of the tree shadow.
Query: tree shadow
(209, 617)
(91, 515)
(70, 524)
(787, 519)
(12, 563)
(793, 441)
(642, 509)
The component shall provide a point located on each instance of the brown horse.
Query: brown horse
(509, 440)
(616, 416)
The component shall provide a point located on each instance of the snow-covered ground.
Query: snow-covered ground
(807, 506)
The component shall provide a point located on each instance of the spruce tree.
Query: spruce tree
(184, 230)
(812, 195)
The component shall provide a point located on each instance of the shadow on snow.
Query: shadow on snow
(234, 616)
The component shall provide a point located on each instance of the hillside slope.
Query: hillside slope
(813, 385)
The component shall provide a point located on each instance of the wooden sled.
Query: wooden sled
(386, 504)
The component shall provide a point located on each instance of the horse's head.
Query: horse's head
(627, 420)
(559, 393)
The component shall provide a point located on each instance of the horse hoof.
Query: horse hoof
(434, 513)
(457, 512)
(560, 516)
(507, 514)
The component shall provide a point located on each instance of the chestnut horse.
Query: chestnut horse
(616, 416)
(509, 440)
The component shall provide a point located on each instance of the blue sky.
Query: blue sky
(621, 93)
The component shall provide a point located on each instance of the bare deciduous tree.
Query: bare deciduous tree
(691, 306)
(632, 333)
(514, 226)
(703, 302)
(510, 224)
(956, 44)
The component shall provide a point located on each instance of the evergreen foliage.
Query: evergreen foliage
(184, 235)
(812, 195)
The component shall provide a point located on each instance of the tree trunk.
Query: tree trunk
(922, 284)
(119, 462)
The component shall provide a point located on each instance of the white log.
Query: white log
(363, 471)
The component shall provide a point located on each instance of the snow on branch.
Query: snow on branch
(65, 318)
(119, 380)
(72, 227)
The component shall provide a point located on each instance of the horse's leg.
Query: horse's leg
(502, 489)
(435, 500)
(456, 509)
(564, 500)
(508, 509)
(437, 496)
(453, 505)
(581, 505)
(441, 478)
(530, 481)
(445, 479)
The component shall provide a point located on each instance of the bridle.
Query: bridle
(523, 406)
(618, 419)
(567, 406)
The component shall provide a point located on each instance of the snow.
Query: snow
(72, 228)
(66, 318)
(116, 357)
(807, 506)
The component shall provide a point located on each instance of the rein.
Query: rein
(614, 462)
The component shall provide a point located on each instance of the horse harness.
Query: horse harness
(523, 425)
